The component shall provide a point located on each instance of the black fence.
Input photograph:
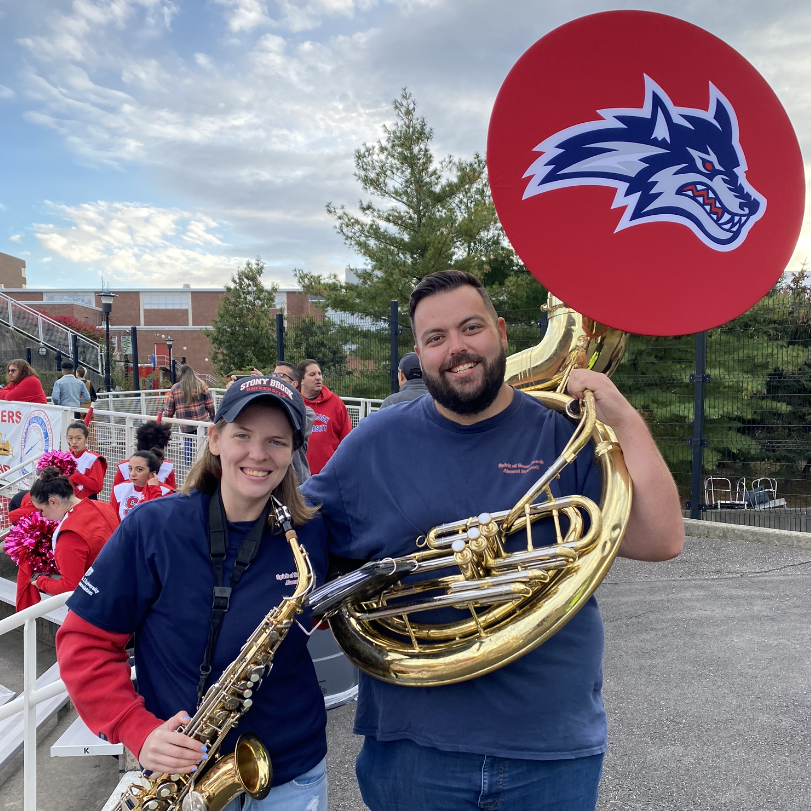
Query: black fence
(756, 464)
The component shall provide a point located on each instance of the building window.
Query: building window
(70, 298)
(165, 301)
(279, 301)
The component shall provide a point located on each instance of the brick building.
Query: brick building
(12, 271)
(182, 313)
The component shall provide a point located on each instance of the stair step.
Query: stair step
(79, 741)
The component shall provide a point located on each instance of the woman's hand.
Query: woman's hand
(154, 480)
(170, 752)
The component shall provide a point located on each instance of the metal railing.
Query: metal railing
(112, 434)
(112, 431)
(28, 699)
(150, 401)
(49, 332)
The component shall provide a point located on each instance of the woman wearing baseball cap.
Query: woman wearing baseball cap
(155, 579)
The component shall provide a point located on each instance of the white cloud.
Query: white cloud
(46, 259)
(15, 238)
(245, 15)
(258, 126)
(138, 244)
(6, 92)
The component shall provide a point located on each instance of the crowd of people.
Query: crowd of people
(531, 734)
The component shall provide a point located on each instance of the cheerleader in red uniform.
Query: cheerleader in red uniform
(143, 483)
(88, 480)
(83, 530)
(149, 436)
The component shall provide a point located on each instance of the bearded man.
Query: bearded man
(532, 734)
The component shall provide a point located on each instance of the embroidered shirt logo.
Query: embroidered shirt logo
(517, 467)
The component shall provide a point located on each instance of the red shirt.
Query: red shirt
(331, 425)
(28, 390)
(126, 495)
(88, 478)
(77, 542)
(94, 666)
(26, 508)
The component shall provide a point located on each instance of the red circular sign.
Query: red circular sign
(645, 173)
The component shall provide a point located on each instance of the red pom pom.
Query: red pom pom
(61, 460)
(31, 540)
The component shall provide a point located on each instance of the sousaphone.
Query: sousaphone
(508, 603)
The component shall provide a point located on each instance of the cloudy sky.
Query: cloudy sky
(155, 143)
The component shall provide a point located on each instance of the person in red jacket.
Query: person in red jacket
(143, 484)
(149, 436)
(332, 423)
(88, 479)
(20, 506)
(83, 530)
(22, 384)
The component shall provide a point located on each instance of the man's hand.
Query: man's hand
(165, 750)
(610, 406)
(655, 530)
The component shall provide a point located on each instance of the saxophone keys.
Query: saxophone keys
(166, 789)
(247, 703)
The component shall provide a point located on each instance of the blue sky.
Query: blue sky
(156, 143)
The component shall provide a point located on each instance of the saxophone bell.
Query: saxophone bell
(247, 769)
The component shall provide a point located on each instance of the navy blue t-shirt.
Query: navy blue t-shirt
(406, 469)
(154, 579)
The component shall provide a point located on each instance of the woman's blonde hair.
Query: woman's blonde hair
(206, 475)
(191, 386)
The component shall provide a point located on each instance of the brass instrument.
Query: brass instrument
(219, 780)
(509, 602)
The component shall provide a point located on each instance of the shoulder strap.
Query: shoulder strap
(221, 598)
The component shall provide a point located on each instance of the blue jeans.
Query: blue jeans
(403, 776)
(307, 792)
(189, 449)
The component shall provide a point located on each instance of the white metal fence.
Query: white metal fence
(30, 696)
(112, 429)
(112, 434)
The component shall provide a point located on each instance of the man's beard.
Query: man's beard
(474, 400)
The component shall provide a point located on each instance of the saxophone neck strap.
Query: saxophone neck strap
(218, 549)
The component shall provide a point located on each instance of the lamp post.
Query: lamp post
(169, 343)
(106, 306)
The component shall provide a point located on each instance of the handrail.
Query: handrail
(27, 701)
(90, 357)
(30, 460)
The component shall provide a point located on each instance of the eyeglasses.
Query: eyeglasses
(282, 375)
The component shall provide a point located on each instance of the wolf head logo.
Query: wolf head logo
(667, 163)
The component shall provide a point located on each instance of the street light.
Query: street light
(42, 350)
(169, 343)
(106, 306)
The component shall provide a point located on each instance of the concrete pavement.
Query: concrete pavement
(707, 673)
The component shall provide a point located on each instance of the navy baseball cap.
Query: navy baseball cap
(410, 366)
(247, 389)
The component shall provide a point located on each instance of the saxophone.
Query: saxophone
(218, 780)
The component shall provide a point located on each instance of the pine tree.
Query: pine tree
(243, 330)
(433, 215)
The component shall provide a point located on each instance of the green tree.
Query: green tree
(319, 340)
(430, 215)
(756, 403)
(243, 330)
